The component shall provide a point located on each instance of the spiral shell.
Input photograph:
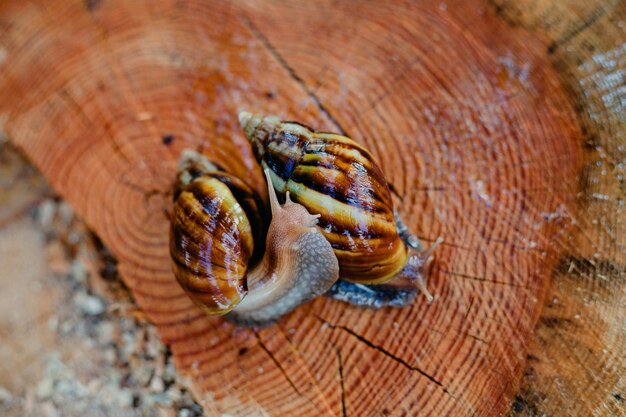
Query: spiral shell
(332, 175)
(216, 232)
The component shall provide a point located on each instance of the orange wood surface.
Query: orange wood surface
(465, 113)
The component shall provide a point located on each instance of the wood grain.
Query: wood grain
(465, 113)
(577, 360)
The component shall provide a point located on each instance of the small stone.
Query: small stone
(105, 333)
(142, 375)
(45, 213)
(109, 394)
(53, 323)
(175, 394)
(56, 258)
(48, 410)
(66, 213)
(127, 324)
(166, 412)
(94, 386)
(154, 345)
(45, 388)
(74, 237)
(125, 398)
(156, 384)
(29, 401)
(88, 304)
(78, 272)
(66, 388)
(109, 355)
(65, 327)
(184, 412)
(128, 343)
(5, 396)
(169, 373)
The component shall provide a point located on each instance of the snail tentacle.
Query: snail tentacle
(416, 269)
(419, 262)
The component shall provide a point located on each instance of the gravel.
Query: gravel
(117, 365)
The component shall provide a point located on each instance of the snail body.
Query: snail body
(216, 223)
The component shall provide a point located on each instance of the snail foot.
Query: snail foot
(372, 296)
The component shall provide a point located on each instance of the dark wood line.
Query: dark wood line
(383, 351)
(341, 383)
(587, 23)
(276, 362)
(292, 72)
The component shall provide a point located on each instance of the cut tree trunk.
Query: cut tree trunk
(462, 107)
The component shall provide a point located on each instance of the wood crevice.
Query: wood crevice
(276, 362)
(586, 24)
(341, 382)
(384, 352)
(292, 73)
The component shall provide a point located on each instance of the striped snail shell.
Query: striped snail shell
(227, 259)
(334, 176)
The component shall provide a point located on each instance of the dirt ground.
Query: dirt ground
(72, 341)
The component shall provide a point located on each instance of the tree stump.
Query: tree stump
(462, 107)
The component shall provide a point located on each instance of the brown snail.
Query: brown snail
(337, 221)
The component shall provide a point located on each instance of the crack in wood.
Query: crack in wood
(498, 9)
(145, 192)
(305, 368)
(276, 362)
(341, 383)
(395, 191)
(461, 332)
(384, 352)
(480, 279)
(471, 303)
(553, 321)
(590, 268)
(587, 23)
(292, 72)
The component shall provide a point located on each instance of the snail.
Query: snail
(214, 222)
(336, 233)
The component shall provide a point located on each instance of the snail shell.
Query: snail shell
(212, 239)
(334, 176)
(217, 238)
